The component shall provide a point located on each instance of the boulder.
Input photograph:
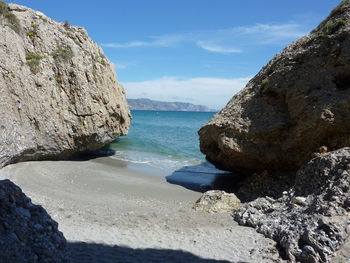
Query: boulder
(215, 201)
(295, 108)
(310, 222)
(58, 92)
(27, 233)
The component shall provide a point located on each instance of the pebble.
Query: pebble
(299, 200)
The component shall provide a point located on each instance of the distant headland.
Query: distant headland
(148, 104)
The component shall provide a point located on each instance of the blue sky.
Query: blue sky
(198, 51)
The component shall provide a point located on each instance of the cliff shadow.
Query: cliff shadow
(204, 177)
(89, 155)
(82, 252)
(246, 187)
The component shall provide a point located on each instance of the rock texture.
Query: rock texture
(58, 92)
(312, 220)
(27, 232)
(295, 107)
(216, 201)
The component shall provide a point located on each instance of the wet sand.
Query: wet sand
(113, 211)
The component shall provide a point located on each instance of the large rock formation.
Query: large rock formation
(311, 221)
(295, 107)
(58, 92)
(27, 232)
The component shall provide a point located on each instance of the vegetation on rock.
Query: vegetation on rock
(63, 54)
(11, 19)
(33, 61)
(333, 27)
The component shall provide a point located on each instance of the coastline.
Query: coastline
(110, 211)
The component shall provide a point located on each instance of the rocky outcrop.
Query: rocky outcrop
(58, 92)
(296, 107)
(311, 221)
(27, 232)
(216, 201)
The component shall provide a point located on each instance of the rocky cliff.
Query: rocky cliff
(295, 108)
(58, 92)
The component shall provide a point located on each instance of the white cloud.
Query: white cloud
(129, 44)
(120, 66)
(271, 33)
(240, 39)
(217, 49)
(225, 41)
(212, 92)
(155, 41)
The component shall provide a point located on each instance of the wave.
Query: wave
(165, 162)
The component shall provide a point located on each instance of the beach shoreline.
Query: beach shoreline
(109, 211)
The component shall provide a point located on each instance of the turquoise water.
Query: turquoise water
(165, 140)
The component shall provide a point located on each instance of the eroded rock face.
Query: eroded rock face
(295, 107)
(27, 232)
(312, 220)
(58, 92)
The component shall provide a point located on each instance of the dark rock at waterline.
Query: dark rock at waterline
(27, 233)
(296, 107)
(312, 220)
(58, 92)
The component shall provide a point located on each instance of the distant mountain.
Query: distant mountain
(147, 104)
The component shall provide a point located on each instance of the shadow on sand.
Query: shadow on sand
(82, 252)
(204, 177)
(90, 155)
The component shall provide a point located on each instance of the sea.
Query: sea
(167, 143)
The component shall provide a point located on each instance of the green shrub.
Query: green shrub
(32, 55)
(43, 18)
(331, 28)
(31, 34)
(265, 81)
(33, 61)
(63, 54)
(11, 19)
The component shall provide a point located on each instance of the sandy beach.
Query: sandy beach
(111, 211)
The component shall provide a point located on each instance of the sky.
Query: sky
(197, 51)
